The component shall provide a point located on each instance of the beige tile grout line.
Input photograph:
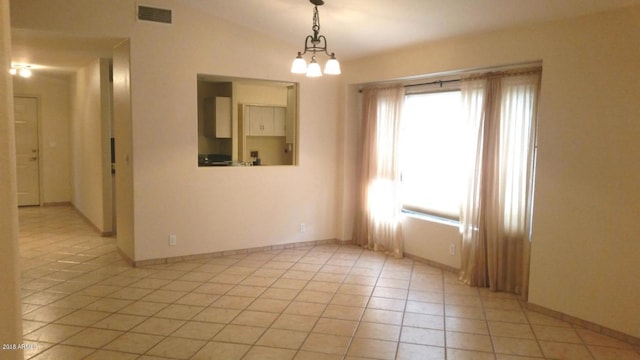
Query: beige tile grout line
(168, 304)
(404, 310)
(333, 253)
(298, 293)
(240, 312)
(355, 330)
(535, 337)
(353, 336)
(352, 266)
(110, 312)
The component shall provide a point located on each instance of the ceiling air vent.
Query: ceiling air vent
(148, 13)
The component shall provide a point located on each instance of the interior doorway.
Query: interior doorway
(27, 150)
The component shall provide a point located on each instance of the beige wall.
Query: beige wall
(86, 144)
(229, 208)
(124, 147)
(261, 95)
(52, 92)
(431, 240)
(10, 305)
(106, 132)
(585, 246)
(207, 210)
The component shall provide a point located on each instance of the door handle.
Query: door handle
(34, 158)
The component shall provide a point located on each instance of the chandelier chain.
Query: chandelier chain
(316, 21)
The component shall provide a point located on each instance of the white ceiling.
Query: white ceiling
(354, 28)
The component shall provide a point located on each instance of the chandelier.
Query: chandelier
(315, 43)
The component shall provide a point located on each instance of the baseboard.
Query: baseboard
(584, 323)
(343, 242)
(245, 251)
(88, 221)
(432, 263)
(126, 258)
(56, 203)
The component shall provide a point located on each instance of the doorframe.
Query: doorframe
(38, 98)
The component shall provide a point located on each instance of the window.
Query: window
(430, 154)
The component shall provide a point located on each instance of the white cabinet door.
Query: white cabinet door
(260, 120)
(265, 120)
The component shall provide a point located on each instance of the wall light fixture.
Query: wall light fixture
(21, 70)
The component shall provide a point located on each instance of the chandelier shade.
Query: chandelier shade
(332, 67)
(299, 65)
(315, 44)
(313, 70)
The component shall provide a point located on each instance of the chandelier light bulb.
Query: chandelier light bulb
(13, 71)
(313, 70)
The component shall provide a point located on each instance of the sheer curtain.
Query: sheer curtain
(501, 114)
(378, 203)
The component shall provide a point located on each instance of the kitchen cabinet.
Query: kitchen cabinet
(265, 120)
(217, 117)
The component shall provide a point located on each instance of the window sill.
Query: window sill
(431, 218)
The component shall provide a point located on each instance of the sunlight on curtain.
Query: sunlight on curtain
(501, 111)
(378, 201)
(516, 121)
(473, 244)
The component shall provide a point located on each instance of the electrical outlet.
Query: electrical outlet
(172, 240)
(303, 227)
(452, 249)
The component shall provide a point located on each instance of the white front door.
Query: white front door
(27, 152)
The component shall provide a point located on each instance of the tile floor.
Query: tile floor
(81, 301)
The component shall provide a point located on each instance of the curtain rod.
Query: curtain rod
(437, 82)
(516, 69)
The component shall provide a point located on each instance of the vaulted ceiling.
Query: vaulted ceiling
(354, 28)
